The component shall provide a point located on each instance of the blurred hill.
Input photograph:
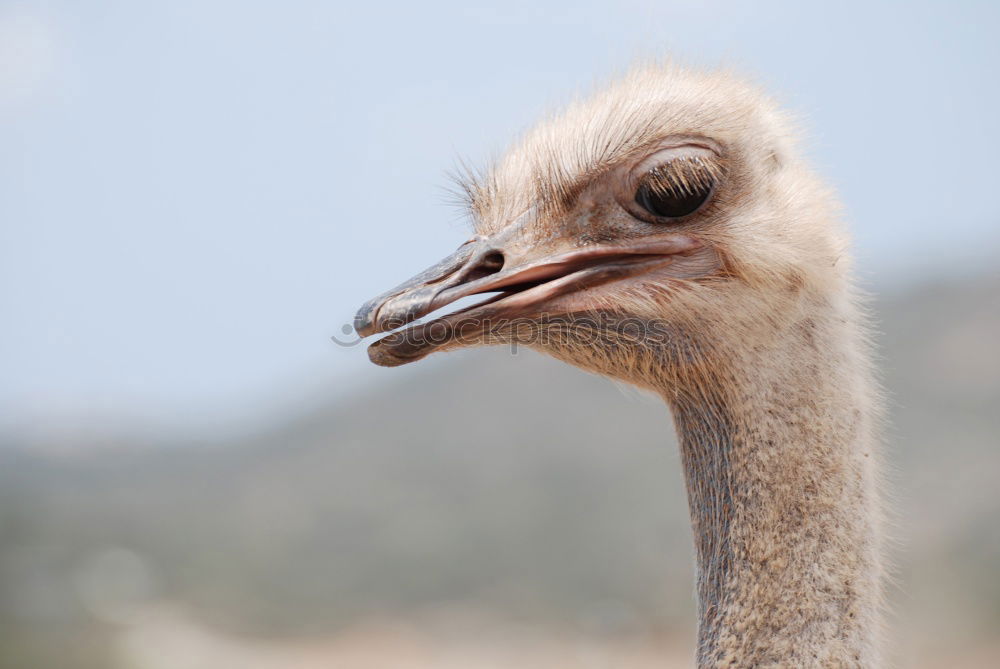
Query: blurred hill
(511, 486)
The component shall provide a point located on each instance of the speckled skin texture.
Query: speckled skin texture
(760, 351)
(779, 467)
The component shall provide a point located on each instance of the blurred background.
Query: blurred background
(196, 194)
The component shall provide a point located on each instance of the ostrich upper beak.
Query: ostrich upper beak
(527, 281)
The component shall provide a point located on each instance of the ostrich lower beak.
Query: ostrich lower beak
(523, 290)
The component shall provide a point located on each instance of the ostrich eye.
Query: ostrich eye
(676, 189)
(669, 205)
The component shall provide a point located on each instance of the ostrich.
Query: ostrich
(664, 232)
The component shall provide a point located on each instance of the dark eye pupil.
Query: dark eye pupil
(669, 204)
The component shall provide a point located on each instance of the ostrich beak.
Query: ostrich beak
(525, 281)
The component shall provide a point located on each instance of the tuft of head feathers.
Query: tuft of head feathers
(596, 132)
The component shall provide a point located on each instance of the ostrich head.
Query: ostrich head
(662, 224)
(665, 233)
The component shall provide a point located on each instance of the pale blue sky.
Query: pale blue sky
(195, 194)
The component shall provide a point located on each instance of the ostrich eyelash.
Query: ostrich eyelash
(688, 175)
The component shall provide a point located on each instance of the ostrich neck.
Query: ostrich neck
(779, 458)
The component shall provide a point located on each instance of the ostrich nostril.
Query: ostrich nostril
(489, 263)
(492, 261)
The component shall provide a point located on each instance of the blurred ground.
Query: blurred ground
(165, 642)
(493, 511)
